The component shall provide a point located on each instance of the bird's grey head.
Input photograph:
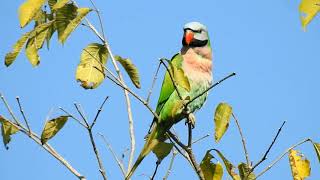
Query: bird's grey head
(195, 35)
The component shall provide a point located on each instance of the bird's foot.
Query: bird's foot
(191, 119)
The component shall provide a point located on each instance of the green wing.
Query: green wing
(167, 86)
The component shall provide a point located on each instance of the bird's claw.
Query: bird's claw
(191, 119)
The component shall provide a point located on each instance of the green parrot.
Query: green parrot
(195, 59)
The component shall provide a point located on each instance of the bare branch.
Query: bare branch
(120, 164)
(99, 17)
(243, 141)
(23, 115)
(81, 113)
(201, 138)
(96, 152)
(73, 117)
(153, 82)
(214, 85)
(174, 154)
(281, 156)
(99, 110)
(37, 139)
(9, 109)
(155, 170)
(268, 150)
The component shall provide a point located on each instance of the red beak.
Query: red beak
(188, 36)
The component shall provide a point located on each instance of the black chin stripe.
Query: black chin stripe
(195, 43)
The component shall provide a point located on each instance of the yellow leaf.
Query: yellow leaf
(308, 10)
(131, 69)
(211, 171)
(28, 10)
(300, 166)
(230, 167)
(162, 150)
(11, 56)
(244, 171)
(7, 129)
(32, 52)
(221, 120)
(90, 71)
(52, 127)
(82, 12)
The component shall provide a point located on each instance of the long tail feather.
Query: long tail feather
(151, 142)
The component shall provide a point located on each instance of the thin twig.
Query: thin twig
(98, 112)
(120, 164)
(37, 139)
(23, 115)
(96, 152)
(73, 117)
(174, 154)
(99, 17)
(9, 109)
(243, 141)
(214, 85)
(155, 170)
(190, 154)
(281, 156)
(81, 113)
(201, 138)
(153, 82)
(264, 157)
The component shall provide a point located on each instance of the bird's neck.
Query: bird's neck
(197, 63)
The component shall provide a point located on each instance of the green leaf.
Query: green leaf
(64, 16)
(90, 71)
(51, 3)
(244, 170)
(7, 129)
(162, 150)
(131, 69)
(221, 120)
(51, 29)
(230, 167)
(308, 10)
(11, 56)
(82, 12)
(179, 76)
(60, 4)
(317, 149)
(40, 18)
(300, 166)
(52, 127)
(32, 52)
(28, 10)
(35, 42)
(211, 171)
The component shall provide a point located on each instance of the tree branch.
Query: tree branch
(120, 164)
(268, 150)
(281, 156)
(23, 115)
(174, 154)
(243, 141)
(37, 139)
(99, 110)
(153, 82)
(155, 170)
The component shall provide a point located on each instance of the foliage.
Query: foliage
(64, 18)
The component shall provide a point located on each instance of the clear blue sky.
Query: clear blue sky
(276, 62)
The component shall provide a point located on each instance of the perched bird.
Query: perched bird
(195, 59)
